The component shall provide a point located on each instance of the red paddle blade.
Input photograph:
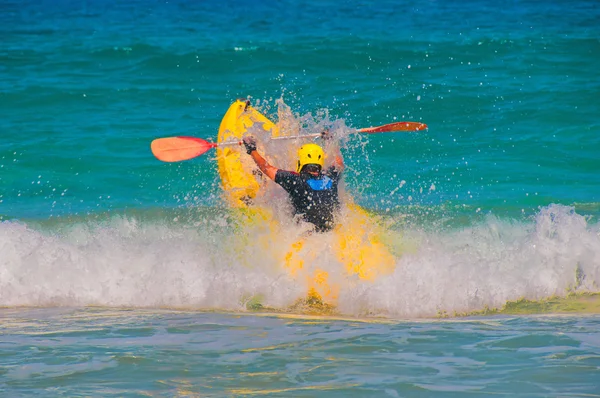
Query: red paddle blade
(176, 149)
(398, 126)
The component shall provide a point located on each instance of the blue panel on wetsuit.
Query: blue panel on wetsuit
(320, 185)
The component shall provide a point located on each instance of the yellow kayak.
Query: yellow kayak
(354, 247)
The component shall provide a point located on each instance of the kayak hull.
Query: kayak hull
(239, 182)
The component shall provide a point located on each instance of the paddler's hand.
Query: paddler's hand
(326, 135)
(249, 143)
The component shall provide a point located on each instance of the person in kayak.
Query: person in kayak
(313, 192)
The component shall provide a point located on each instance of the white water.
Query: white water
(127, 262)
(490, 264)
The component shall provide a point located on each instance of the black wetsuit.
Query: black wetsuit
(315, 198)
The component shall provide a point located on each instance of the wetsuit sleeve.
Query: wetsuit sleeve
(288, 179)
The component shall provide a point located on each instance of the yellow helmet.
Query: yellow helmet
(310, 154)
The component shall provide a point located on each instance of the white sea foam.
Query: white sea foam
(127, 262)
(487, 265)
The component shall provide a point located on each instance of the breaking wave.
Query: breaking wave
(206, 260)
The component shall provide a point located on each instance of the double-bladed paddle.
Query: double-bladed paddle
(176, 149)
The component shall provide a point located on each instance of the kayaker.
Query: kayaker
(313, 192)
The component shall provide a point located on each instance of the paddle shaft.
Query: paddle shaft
(367, 130)
(386, 128)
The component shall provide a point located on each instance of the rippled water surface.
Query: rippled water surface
(103, 352)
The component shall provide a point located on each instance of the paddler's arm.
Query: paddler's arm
(338, 160)
(263, 165)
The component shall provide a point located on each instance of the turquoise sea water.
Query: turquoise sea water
(496, 201)
(168, 353)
